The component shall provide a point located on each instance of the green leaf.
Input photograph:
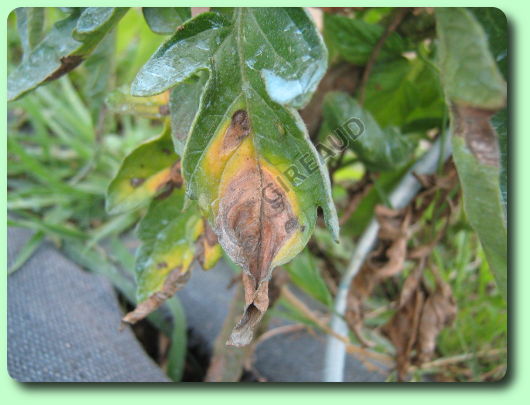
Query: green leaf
(165, 20)
(475, 89)
(183, 106)
(305, 274)
(477, 82)
(144, 173)
(405, 92)
(379, 149)
(248, 151)
(176, 359)
(67, 44)
(30, 23)
(354, 39)
(99, 69)
(120, 101)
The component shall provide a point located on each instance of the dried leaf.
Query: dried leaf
(402, 330)
(439, 312)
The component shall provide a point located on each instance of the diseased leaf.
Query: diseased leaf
(169, 234)
(208, 249)
(30, 23)
(68, 43)
(167, 243)
(165, 20)
(495, 25)
(149, 170)
(379, 149)
(354, 39)
(475, 90)
(238, 159)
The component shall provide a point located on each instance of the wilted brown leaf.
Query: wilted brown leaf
(439, 311)
(402, 330)
(174, 282)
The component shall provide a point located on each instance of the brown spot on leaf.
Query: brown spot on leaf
(163, 110)
(174, 282)
(473, 124)
(161, 265)
(174, 180)
(136, 181)
(208, 239)
(239, 128)
(291, 225)
(68, 63)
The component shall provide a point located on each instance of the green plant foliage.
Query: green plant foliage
(184, 103)
(305, 274)
(379, 149)
(475, 90)
(405, 93)
(30, 23)
(165, 20)
(68, 43)
(477, 82)
(354, 39)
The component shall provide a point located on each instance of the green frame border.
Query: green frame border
(511, 388)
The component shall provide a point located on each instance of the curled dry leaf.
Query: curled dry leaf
(386, 261)
(439, 311)
(402, 330)
(421, 316)
(174, 282)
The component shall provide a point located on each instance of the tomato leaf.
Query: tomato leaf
(146, 172)
(379, 149)
(165, 20)
(475, 90)
(354, 39)
(68, 43)
(172, 236)
(248, 160)
(183, 106)
(30, 23)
